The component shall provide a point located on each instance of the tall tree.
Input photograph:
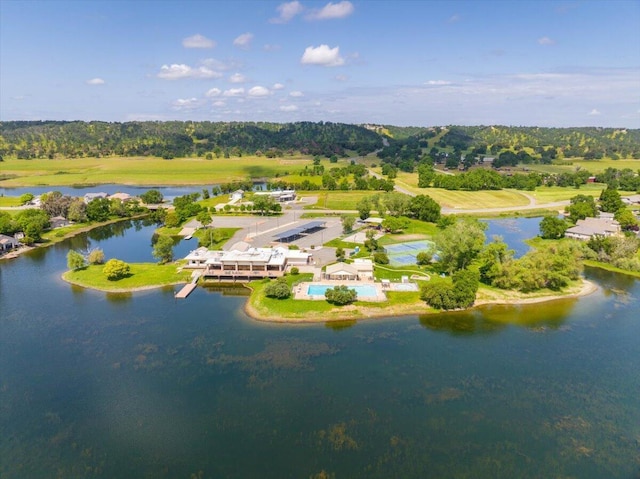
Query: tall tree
(459, 244)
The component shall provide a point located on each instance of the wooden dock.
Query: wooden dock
(186, 290)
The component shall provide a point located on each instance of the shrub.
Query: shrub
(341, 295)
(96, 256)
(423, 258)
(116, 269)
(75, 260)
(295, 271)
(278, 289)
(380, 258)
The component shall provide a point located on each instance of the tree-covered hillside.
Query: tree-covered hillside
(51, 139)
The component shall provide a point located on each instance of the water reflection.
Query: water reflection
(461, 324)
(340, 325)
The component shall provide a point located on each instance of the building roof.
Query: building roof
(594, 226)
(362, 265)
(121, 196)
(373, 221)
(341, 268)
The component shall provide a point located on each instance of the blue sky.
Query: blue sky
(419, 63)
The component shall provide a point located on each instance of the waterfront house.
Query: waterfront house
(123, 197)
(8, 242)
(58, 222)
(93, 196)
(587, 228)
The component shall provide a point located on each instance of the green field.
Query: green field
(146, 171)
(9, 201)
(143, 275)
(594, 166)
(337, 200)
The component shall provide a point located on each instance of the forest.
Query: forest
(404, 147)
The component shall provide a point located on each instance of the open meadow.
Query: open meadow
(145, 170)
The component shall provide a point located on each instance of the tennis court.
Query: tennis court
(403, 254)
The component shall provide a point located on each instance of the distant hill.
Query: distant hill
(51, 139)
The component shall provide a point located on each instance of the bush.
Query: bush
(75, 260)
(341, 295)
(295, 271)
(380, 258)
(278, 289)
(423, 258)
(96, 256)
(116, 269)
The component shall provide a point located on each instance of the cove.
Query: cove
(141, 385)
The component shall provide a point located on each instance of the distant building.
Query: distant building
(360, 269)
(279, 195)
(58, 222)
(124, 197)
(249, 264)
(92, 196)
(587, 228)
(8, 242)
(236, 196)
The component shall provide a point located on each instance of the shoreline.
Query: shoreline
(118, 290)
(362, 312)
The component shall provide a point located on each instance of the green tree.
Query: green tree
(152, 197)
(424, 258)
(380, 257)
(341, 295)
(98, 209)
(77, 211)
(581, 207)
(26, 198)
(459, 244)
(552, 227)
(424, 208)
(610, 200)
(204, 217)
(55, 203)
(116, 269)
(340, 254)
(364, 208)
(347, 223)
(163, 249)
(395, 225)
(32, 222)
(263, 204)
(75, 260)
(627, 219)
(278, 289)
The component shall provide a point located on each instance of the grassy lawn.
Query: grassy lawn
(594, 166)
(143, 276)
(549, 194)
(8, 201)
(417, 230)
(219, 236)
(337, 200)
(145, 170)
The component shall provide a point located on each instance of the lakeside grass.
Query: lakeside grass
(146, 171)
(593, 166)
(143, 276)
(9, 201)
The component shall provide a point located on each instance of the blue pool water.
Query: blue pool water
(362, 290)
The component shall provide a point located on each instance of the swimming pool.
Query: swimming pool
(363, 290)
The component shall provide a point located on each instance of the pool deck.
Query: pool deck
(300, 290)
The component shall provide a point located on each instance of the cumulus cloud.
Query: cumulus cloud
(332, 10)
(437, 83)
(198, 41)
(288, 108)
(296, 94)
(95, 81)
(213, 93)
(277, 86)
(594, 112)
(287, 11)
(237, 78)
(546, 41)
(177, 71)
(244, 40)
(185, 104)
(258, 91)
(233, 92)
(322, 55)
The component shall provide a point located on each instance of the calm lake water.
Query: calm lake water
(141, 385)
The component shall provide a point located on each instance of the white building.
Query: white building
(589, 227)
(279, 195)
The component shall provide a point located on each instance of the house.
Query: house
(8, 242)
(631, 200)
(373, 222)
(58, 222)
(360, 269)
(248, 264)
(236, 196)
(587, 228)
(124, 197)
(93, 196)
(279, 195)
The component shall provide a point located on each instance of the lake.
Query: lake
(142, 385)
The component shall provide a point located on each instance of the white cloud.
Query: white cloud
(287, 11)
(594, 112)
(546, 41)
(322, 55)
(437, 83)
(185, 104)
(95, 81)
(332, 10)
(178, 71)
(454, 18)
(288, 108)
(244, 40)
(296, 94)
(213, 93)
(234, 92)
(218, 103)
(258, 91)
(277, 86)
(198, 41)
(215, 64)
(237, 78)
